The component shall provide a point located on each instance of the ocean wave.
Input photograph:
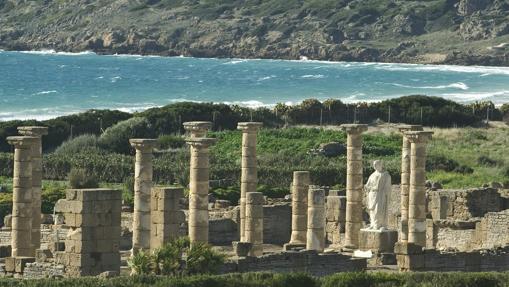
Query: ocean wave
(319, 76)
(46, 92)
(115, 79)
(265, 78)
(498, 97)
(53, 52)
(458, 85)
(235, 61)
(483, 70)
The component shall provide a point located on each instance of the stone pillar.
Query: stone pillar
(92, 244)
(142, 186)
(22, 207)
(199, 189)
(254, 222)
(166, 215)
(37, 132)
(417, 193)
(316, 219)
(354, 184)
(405, 179)
(300, 187)
(197, 129)
(249, 176)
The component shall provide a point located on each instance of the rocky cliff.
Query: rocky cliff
(432, 31)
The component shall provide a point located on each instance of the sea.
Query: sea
(47, 84)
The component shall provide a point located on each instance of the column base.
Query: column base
(294, 246)
(378, 241)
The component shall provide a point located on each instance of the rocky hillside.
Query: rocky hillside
(426, 31)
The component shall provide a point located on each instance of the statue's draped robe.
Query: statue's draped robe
(378, 189)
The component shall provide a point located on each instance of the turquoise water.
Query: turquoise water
(46, 84)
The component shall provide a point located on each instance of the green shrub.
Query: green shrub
(178, 257)
(51, 193)
(439, 162)
(273, 192)
(128, 191)
(487, 161)
(78, 144)
(116, 138)
(169, 141)
(80, 178)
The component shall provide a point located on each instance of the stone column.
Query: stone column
(316, 219)
(417, 194)
(300, 187)
(354, 184)
(22, 208)
(199, 189)
(166, 215)
(249, 176)
(37, 132)
(254, 222)
(142, 185)
(405, 179)
(197, 129)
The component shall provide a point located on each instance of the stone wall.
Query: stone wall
(457, 235)
(316, 264)
(493, 230)
(465, 204)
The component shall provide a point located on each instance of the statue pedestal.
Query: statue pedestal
(378, 241)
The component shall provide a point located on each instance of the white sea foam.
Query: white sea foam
(319, 76)
(483, 70)
(265, 78)
(46, 92)
(53, 52)
(235, 61)
(115, 79)
(458, 85)
(498, 97)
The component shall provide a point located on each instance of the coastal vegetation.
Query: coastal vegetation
(92, 148)
(364, 279)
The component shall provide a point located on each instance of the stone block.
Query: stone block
(293, 247)
(21, 262)
(42, 255)
(5, 251)
(241, 249)
(378, 241)
(406, 248)
(10, 264)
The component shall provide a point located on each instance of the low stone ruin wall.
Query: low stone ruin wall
(475, 261)
(309, 261)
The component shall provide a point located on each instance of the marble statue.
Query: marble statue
(378, 190)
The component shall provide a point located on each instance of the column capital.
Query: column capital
(22, 141)
(34, 131)
(418, 136)
(143, 144)
(407, 128)
(201, 142)
(249, 127)
(197, 128)
(354, 128)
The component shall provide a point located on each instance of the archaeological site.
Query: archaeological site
(371, 225)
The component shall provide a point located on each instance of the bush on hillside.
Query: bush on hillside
(171, 142)
(78, 144)
(80, 178)
(116, 138)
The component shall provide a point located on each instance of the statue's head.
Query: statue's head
(378, 165)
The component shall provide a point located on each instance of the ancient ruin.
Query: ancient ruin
(316, 230)
(199, 189)
(249, 175)
(354, 184)
(142, 187)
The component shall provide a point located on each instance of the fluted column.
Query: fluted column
(143, 172)
(354, 184)
(300, 187)
(405, 179)
(417, 194)
(37, 132)
(316, 219)
(22, 207)
(199, 189)
(197, 129)
(249, 176)
(254, 222)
